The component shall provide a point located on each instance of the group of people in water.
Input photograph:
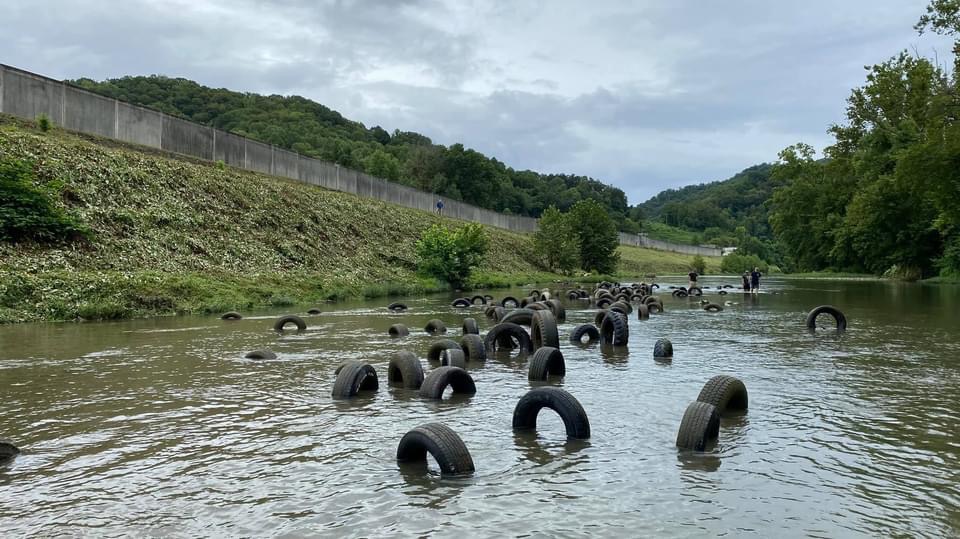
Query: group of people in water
(751, 280)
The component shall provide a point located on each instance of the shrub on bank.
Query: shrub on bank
(451, 255)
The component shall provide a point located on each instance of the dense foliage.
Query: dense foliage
(28, 212)
(597, 236)
(451, 255)
(301, 125)
(556, 242)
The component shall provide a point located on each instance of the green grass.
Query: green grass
(833, 275)
(637, 261)
(664, 232)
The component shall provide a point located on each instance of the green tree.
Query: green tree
(28, 212)
(451, 255)
(556, 242)
(699, 264)
(382, 165)
(598, 237)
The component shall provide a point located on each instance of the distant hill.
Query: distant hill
(406, 157)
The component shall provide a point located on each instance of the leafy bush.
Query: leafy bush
(451, 255)
(44, 123)
(598, 236)
(27, 212)
(699, 264)
(556, 242)
(738, 263)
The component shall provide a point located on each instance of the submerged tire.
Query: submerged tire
(499, 313)
(260, 354)
(726, 393)
(838, 316)
(438, 379)
(461, 303)
(523, 317)
(406, 370)
(700, 426)
(713, 307)
(398, 330)
(663, 349)
(438, 347)
(442, 443)
(622, 306)
(353, 378)
(8, 452)
(483, 300)
(289, 319)
(314, 311)
(643, 312)
(507, 335)
(680, 293)
(397, 307)
(470, 326)
(588, 330)
(566, 405)
(546, 361)
(490, 312)
(614, 329)
(511, 300)
(435, 327)
(558, 310)
(604, 302)
(543, 330)
(232, 315)
(453, 357)
(647, 300)
(655, 307)
(695, 291)
(473, 347)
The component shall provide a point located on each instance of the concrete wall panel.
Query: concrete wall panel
(28, 96)
(285, 163)
(228, 148)
(259, 156)
(187, 138)
(89, 113)
(138, 125)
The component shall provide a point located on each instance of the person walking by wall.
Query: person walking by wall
(746, 281)
(755, 280)
(439, 206)
(693, 278)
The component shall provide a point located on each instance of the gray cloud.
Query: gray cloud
(641, 94)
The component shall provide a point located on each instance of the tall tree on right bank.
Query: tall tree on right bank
(598, 237)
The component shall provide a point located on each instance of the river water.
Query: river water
(160, 427)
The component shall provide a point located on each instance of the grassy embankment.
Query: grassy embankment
(173, 235)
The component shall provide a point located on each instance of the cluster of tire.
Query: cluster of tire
(697, 292)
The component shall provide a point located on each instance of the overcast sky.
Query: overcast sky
(645, 95)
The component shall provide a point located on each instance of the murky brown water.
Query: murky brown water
(160, 427)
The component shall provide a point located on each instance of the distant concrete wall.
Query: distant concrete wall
(28, 95)
(641, 240)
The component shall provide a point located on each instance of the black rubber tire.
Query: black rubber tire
(663, 349)
(537, 306)
(838, 316)
(314, 311)
(590, 330)
(232, 315)
(543, 330)
(483, 300)
(473, 347)
(722, 292)
(726, 393)
(573, 294)
(535, 294)
(699, 291)
(442, 443)
(461, 303)
(680, 293)
(488, 297)
(437, 348)
(406, 370)
(8, 452)
(260, 354)
(546, 361)
(598, 317)
(647, 300)
(289, 319)
(499, 313)
(523, 317)
(655, 307)
(509, 299)
(397, 307)
(637, 298)
(614, 329)
(603, 303)
(653, 285)
(470, 326)
(713, 307)
(566, 405)
(438, 379)
(435, 327)
(503, 333)
(453, 357)
(490, 312)
(643, 312)
(700, 426)
(353, 378)
(398, 330)
(625, 308)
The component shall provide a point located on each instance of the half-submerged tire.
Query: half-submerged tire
(588, 330)
(473, 347)
(470, 326)
(398, 330)
(663, 349)
(446, 447)
(353, 378)
(566, 405)
(543, 330)
(700, 426)
(643, 312)
(827, 309)
(282, 322)
(695, 291)
(406, 370)
(507, 335)
(524, 317)
(511, 300)
(546, 361)
(726, 393)
(438, 347)
(483, 300)
(558, 310)
(8, 452)
(680, 293)
(435, 327)
(453, 357)
(614, 329)
(438, 379)
(397, 307)
(461, 303)
(314, 311)
(713, 307)
(260, 354)
(232, 315)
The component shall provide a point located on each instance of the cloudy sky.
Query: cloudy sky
(643, 94)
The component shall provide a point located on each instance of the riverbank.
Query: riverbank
(172, 235)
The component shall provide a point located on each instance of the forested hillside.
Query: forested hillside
(406, 157)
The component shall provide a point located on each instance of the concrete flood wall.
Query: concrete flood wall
(28, 95)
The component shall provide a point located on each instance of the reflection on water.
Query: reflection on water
(162, 427)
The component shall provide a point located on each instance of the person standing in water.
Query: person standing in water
(755, 280)
(693, 278)
(746, 281)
